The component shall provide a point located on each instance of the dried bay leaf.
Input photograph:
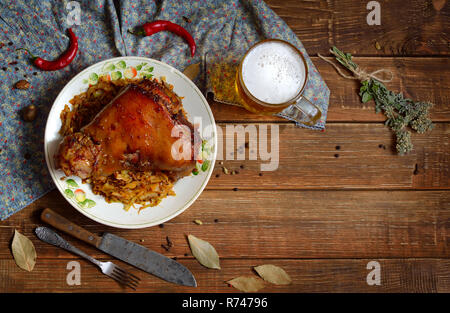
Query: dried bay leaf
(377, 45)
(23, 251)
(204, 252)
(247, 283)
(273, 274)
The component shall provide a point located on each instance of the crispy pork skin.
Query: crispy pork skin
(137, 130)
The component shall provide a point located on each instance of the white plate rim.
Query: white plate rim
(188, 203)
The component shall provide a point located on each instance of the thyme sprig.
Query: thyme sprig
(402, 114)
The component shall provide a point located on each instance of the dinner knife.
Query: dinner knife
(125, 250)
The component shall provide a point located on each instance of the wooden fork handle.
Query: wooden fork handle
(63, 224)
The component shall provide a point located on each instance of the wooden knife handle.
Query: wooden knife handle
(70, 228)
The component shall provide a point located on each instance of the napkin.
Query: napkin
(101, 26)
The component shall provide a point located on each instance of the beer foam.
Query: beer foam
(273, 72)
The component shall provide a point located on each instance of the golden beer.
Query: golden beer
(272, 75)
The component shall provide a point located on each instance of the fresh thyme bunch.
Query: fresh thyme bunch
(402, 114)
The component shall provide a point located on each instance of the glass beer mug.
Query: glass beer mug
(272, 75)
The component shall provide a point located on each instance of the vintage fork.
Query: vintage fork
(108, 268)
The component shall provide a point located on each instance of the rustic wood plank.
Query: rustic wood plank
(366, 159)
(418, 78)
(277, 224)
(418, 28)
(412, 28)
(344, 275)
(310, 20)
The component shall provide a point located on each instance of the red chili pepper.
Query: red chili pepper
(149, 29)
(65, 59)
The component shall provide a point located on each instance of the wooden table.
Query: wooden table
(320, 217)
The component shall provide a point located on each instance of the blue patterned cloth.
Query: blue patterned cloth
(41, 27)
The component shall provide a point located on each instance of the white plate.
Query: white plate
(95, 207)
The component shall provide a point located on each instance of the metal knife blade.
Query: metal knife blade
(147, 260)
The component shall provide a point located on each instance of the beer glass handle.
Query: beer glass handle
(312, 113)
